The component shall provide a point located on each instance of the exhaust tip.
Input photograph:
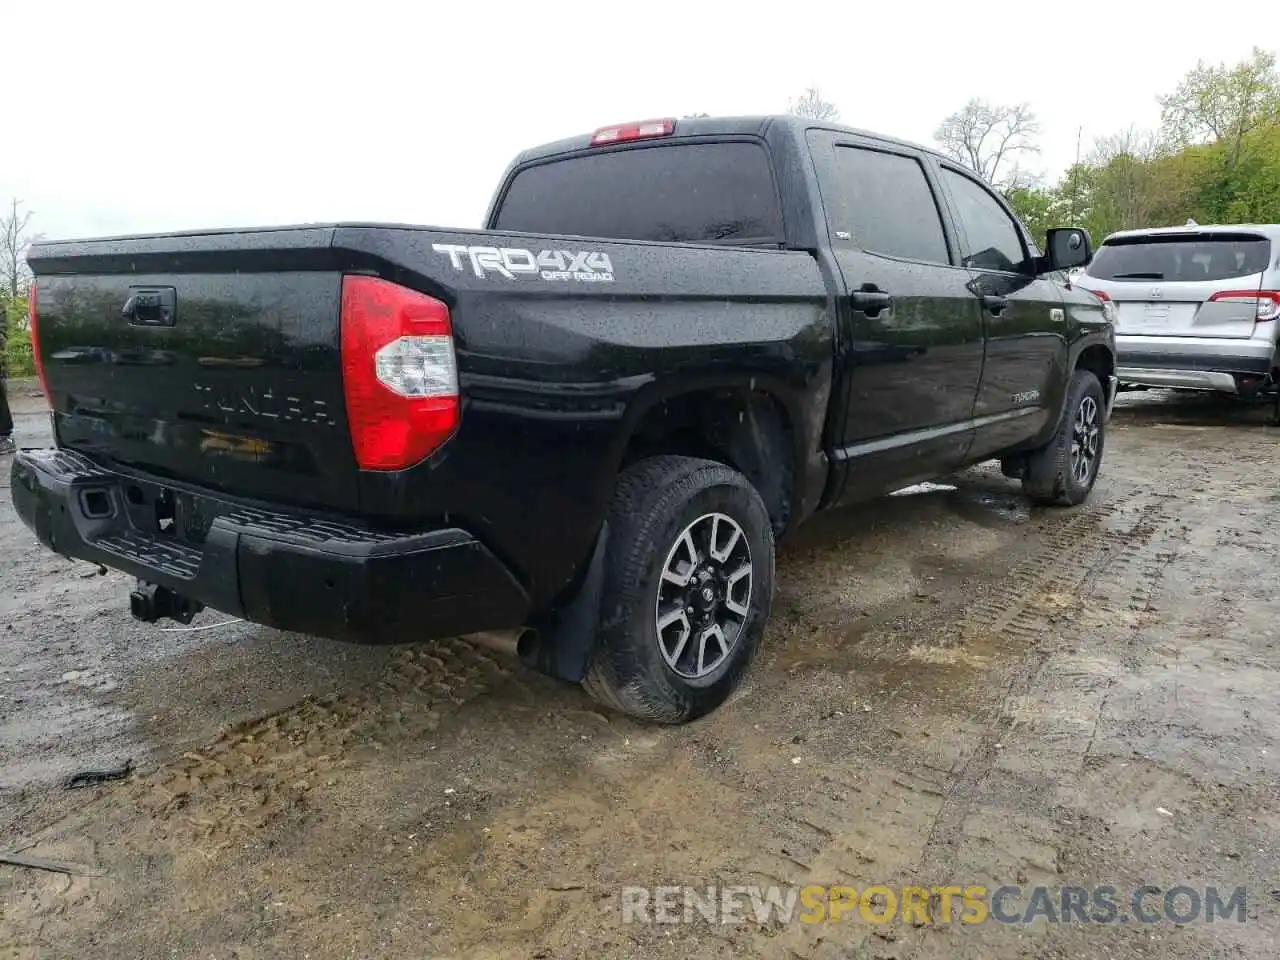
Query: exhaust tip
(527, 645)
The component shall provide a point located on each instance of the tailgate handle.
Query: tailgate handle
(151, 306)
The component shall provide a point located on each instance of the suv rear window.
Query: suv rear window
(1204, 259)
(694, 192)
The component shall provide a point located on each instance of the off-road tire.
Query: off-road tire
(656, 499)
(1048, 479)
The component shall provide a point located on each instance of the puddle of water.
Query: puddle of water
(918, 488)
(49, 742)
(947, 656)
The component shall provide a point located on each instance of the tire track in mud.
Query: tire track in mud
(260, 771)
(863, 821)
(850, 816)
(1070, 549)
(1042, 731)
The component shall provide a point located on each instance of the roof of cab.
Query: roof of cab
(716, 126)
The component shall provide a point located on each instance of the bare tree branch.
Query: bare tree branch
(811, 105)
(15, 238)
(990, 138)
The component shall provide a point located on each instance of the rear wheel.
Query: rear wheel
(1063, 471)
(688, 586)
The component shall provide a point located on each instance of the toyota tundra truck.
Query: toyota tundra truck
(672, 343)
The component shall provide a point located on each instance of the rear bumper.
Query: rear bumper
(1179, 379)
(285, 570)
(1197, 363)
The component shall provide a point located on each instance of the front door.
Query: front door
(911, 332)
(1023, 372)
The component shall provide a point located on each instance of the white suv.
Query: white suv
(1194, 307)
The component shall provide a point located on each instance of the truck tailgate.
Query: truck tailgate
(213, 359)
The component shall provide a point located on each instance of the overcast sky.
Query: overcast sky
(134, 116)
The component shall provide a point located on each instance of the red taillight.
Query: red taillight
(1267, 302)
(623, 132)
(1108, 308)
(33, 327)
(399, 373)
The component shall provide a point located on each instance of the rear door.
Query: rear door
(914, 337)
(1183, 284)
(1026, 341)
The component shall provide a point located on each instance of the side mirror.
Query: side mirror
(1067, 247)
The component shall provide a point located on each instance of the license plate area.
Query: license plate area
(1145, 317)
(166, 514)
(1155, 315)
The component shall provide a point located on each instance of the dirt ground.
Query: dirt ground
(954, 689)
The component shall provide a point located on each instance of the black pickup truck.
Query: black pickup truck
(673, 342)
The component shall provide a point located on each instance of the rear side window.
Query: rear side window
(1174, 258)
(695, 192)
(884, 200)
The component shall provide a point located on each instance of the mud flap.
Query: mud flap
(560, 644)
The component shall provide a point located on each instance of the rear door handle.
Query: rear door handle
(871, 300)
(995, 305)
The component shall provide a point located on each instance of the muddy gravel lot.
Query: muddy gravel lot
(955, 689)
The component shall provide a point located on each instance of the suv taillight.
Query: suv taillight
(1268, 301)
(33, 326)
(399, 373)
(1108, 306)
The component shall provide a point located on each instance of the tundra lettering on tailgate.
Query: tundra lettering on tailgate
(588, 266)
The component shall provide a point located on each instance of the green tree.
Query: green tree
(1075, 191)
(1038, 208)
(1215, 159)
(15, 339)
(15, 351)
(1251, 192)
(1223, 103)
(1261, 194)
(1121, 186)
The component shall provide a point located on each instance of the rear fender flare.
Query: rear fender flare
(805, 415)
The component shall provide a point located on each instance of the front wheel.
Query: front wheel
(688, 587)
(1063, 471)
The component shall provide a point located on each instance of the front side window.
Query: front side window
(992, 240)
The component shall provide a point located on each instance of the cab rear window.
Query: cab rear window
(1174, 258)
(692, 192)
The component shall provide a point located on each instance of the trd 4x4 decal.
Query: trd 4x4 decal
(589, 266)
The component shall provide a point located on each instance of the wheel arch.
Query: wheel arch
(1098, 359)
(752, 424)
